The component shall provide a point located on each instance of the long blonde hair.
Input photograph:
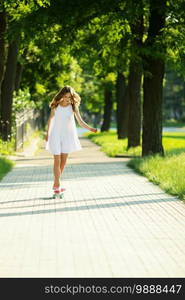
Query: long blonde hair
(66, 89)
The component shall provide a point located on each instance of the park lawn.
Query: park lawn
(5, 166)
(168, 172)
(111, 145)
(167, 123)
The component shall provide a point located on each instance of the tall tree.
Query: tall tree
(11, 15)
(154, 67)
(135, 75)
(8, 85)
(3, 26)
(108, 103)
(134, 90)
(122, 106)
(19, 70)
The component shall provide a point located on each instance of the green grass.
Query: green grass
(168, 172)
(167, 123)
(111, 145)
(5, 166)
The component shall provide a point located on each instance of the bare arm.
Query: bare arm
(52, 113)
(81, 121)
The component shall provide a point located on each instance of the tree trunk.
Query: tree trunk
(2, 46)
(107, 109)
(7, 91)
(122, 106)
(18, 76)
(134, 82)
(153, 82)
(134, 120)
(96, 119)
(152, 110)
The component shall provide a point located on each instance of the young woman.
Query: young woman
(62, 137)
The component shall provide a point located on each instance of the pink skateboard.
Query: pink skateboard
(58, 192)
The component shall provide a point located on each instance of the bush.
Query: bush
(22, 100)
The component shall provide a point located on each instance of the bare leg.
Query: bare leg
(56, 170)
(63, 159)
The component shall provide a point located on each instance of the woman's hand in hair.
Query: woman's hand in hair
(61, 100)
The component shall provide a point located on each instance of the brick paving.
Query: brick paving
(111, 223)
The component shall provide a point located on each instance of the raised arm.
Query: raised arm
(81, 121)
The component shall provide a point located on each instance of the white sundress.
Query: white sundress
(62, 135)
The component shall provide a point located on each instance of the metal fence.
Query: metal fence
(26, 122)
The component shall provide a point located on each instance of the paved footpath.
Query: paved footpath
(111, 223)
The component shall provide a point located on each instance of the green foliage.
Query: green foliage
(103, 43)
(174, 36)
(22, 100)
(87, 50)
(85, 44)
(7, 148)
(92, 95)
(71, 74)
(40, 88)
(21, 8)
